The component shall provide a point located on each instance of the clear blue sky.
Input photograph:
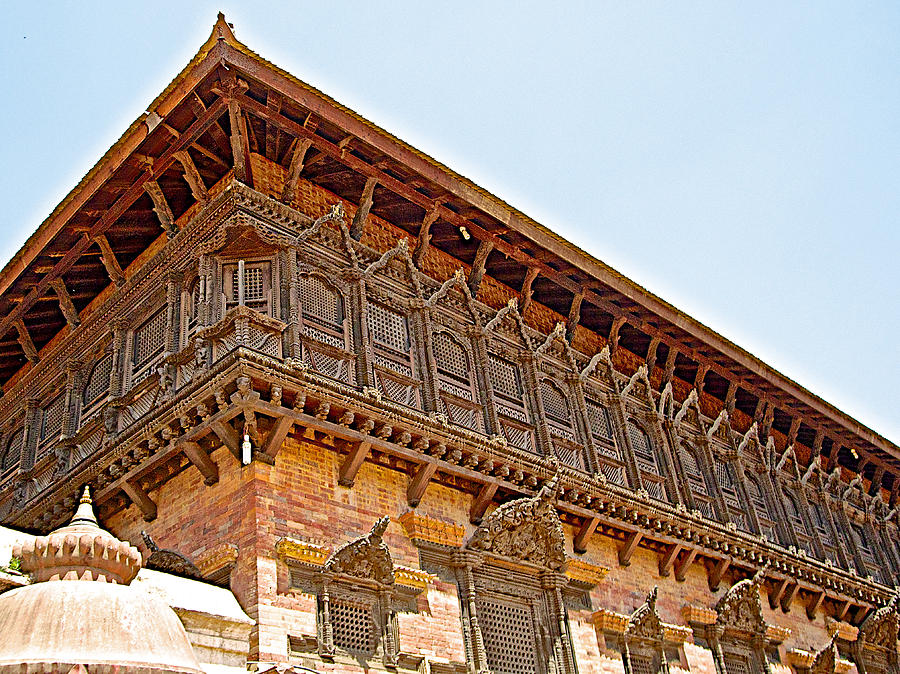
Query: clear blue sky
(741, 160)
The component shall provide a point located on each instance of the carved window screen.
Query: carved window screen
(559, 423)
(52, 422)
(148, 345)
(12, 452)
(737, 664)
(611, 464)
(792, 506)
(506, 382)
(507, 628)
(860, 537)
(257, 286)
(643, 664)
(192, 310)
(651, 476)
(758, 499)
(353, 627)
(823, 527)
(391, 353)
(325, 335)
(696, 482)
(454, 380)
(96, 388)
(725, 477)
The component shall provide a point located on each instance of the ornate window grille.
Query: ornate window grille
(96, 388)
(647, 461)
(792, 506)
(326, 336)
(456, 389)
(696, 481)
(148, 345)
(822, 523)
(12, 451)
(866, 551)
(51, 423)
(253, 288)
(608, 455)
(558, 414)
(758, 499)
(509, 399)
(727, 483)
(392, 355)
(192, 308)
(507, 627)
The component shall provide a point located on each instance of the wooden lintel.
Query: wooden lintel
(108, 258)
(482, 500)
(478, 265)
(778, 592)
(815, 601)
(358, 453)
(717, 572)
(627, 550)
(789, 596)
(362, 213)
(289, 193)
(584, 534)
(201, 461)
(527, 290)
(66, 306)
(574, 316)
(276, 436)
(424, 238)
(238, 143)
(26, 342)
(141, 499)
(683, 564)
(228, 436)
(419, 483)
(192, 177)
(161, 207)
(668, 558)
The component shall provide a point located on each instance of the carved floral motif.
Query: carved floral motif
(366, 557)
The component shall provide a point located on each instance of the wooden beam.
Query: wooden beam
(239, 150)
(289, 193)
(419, 483)
(201, 461)
(216, 132)
(161, 208)
(358, 452)
(273, 102)
(478, 266)
(108, 258)
(65, 303)
(527, 291)
(192, 177)
(627, 550)
(668, 558)
(815, 601)
(789, 596)
(141, 499)
(482, 500)
(682, 565)
(717, 572)
(228, 437)
(777, 593)
(574, 315)
(276, 436)
(362, 213)
(26, 342)
(584, 535)
(843, 609)
(424, 238)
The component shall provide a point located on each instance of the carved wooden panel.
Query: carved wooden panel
(458, 396)
(256, 282)
(391, 354)
(696, 481)
(507, 627)
(792, 507)
(608, 455)
(12, 451)
(736, 663)
(506, 381)
(725, 477)
(647, 461)
(51, 423)
(761, 506)
(96, 388)
(148, 344)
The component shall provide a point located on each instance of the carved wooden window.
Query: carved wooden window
(507, 628)
(148, 345)
(647, 461)
(758, 499)
(458, 397)
(509, 399)
(96, 388)
(736, 663)
(326, 335)
(823, 528)
(795, 516)
(866, 551)
(610, 459)
(391, 354)
(12, 451)
(558, 414)
(727, 483)
(51, 422)
(353, 626)
(696, 481)
(253, 288)
(192, 308)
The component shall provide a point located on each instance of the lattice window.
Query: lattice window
(52, 421)
(12, 453)
(643, 664)
(736, 664)
(725, 478)
(388, 328)
(611, 464)
(509, 639)
(758, 499)
(556, 410)
(192, 310)
(505, 378)
(506, 383)
(866, 551)
(254, 289)
(451, 357)
(646, 459)
(321, 303)
(322, 309)
(391, 351)
(823, 527)
(696, 482)
(353, 627)
(458, 398)
(149, 339)
(792, 506)
(96, 388)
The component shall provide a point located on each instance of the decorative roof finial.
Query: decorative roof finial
(84, 515)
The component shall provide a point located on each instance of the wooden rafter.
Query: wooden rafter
(419, 483)
(629, 547)
(584, 534)
(201, 461)
(481, 502)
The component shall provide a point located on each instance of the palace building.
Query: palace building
(357, 413)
